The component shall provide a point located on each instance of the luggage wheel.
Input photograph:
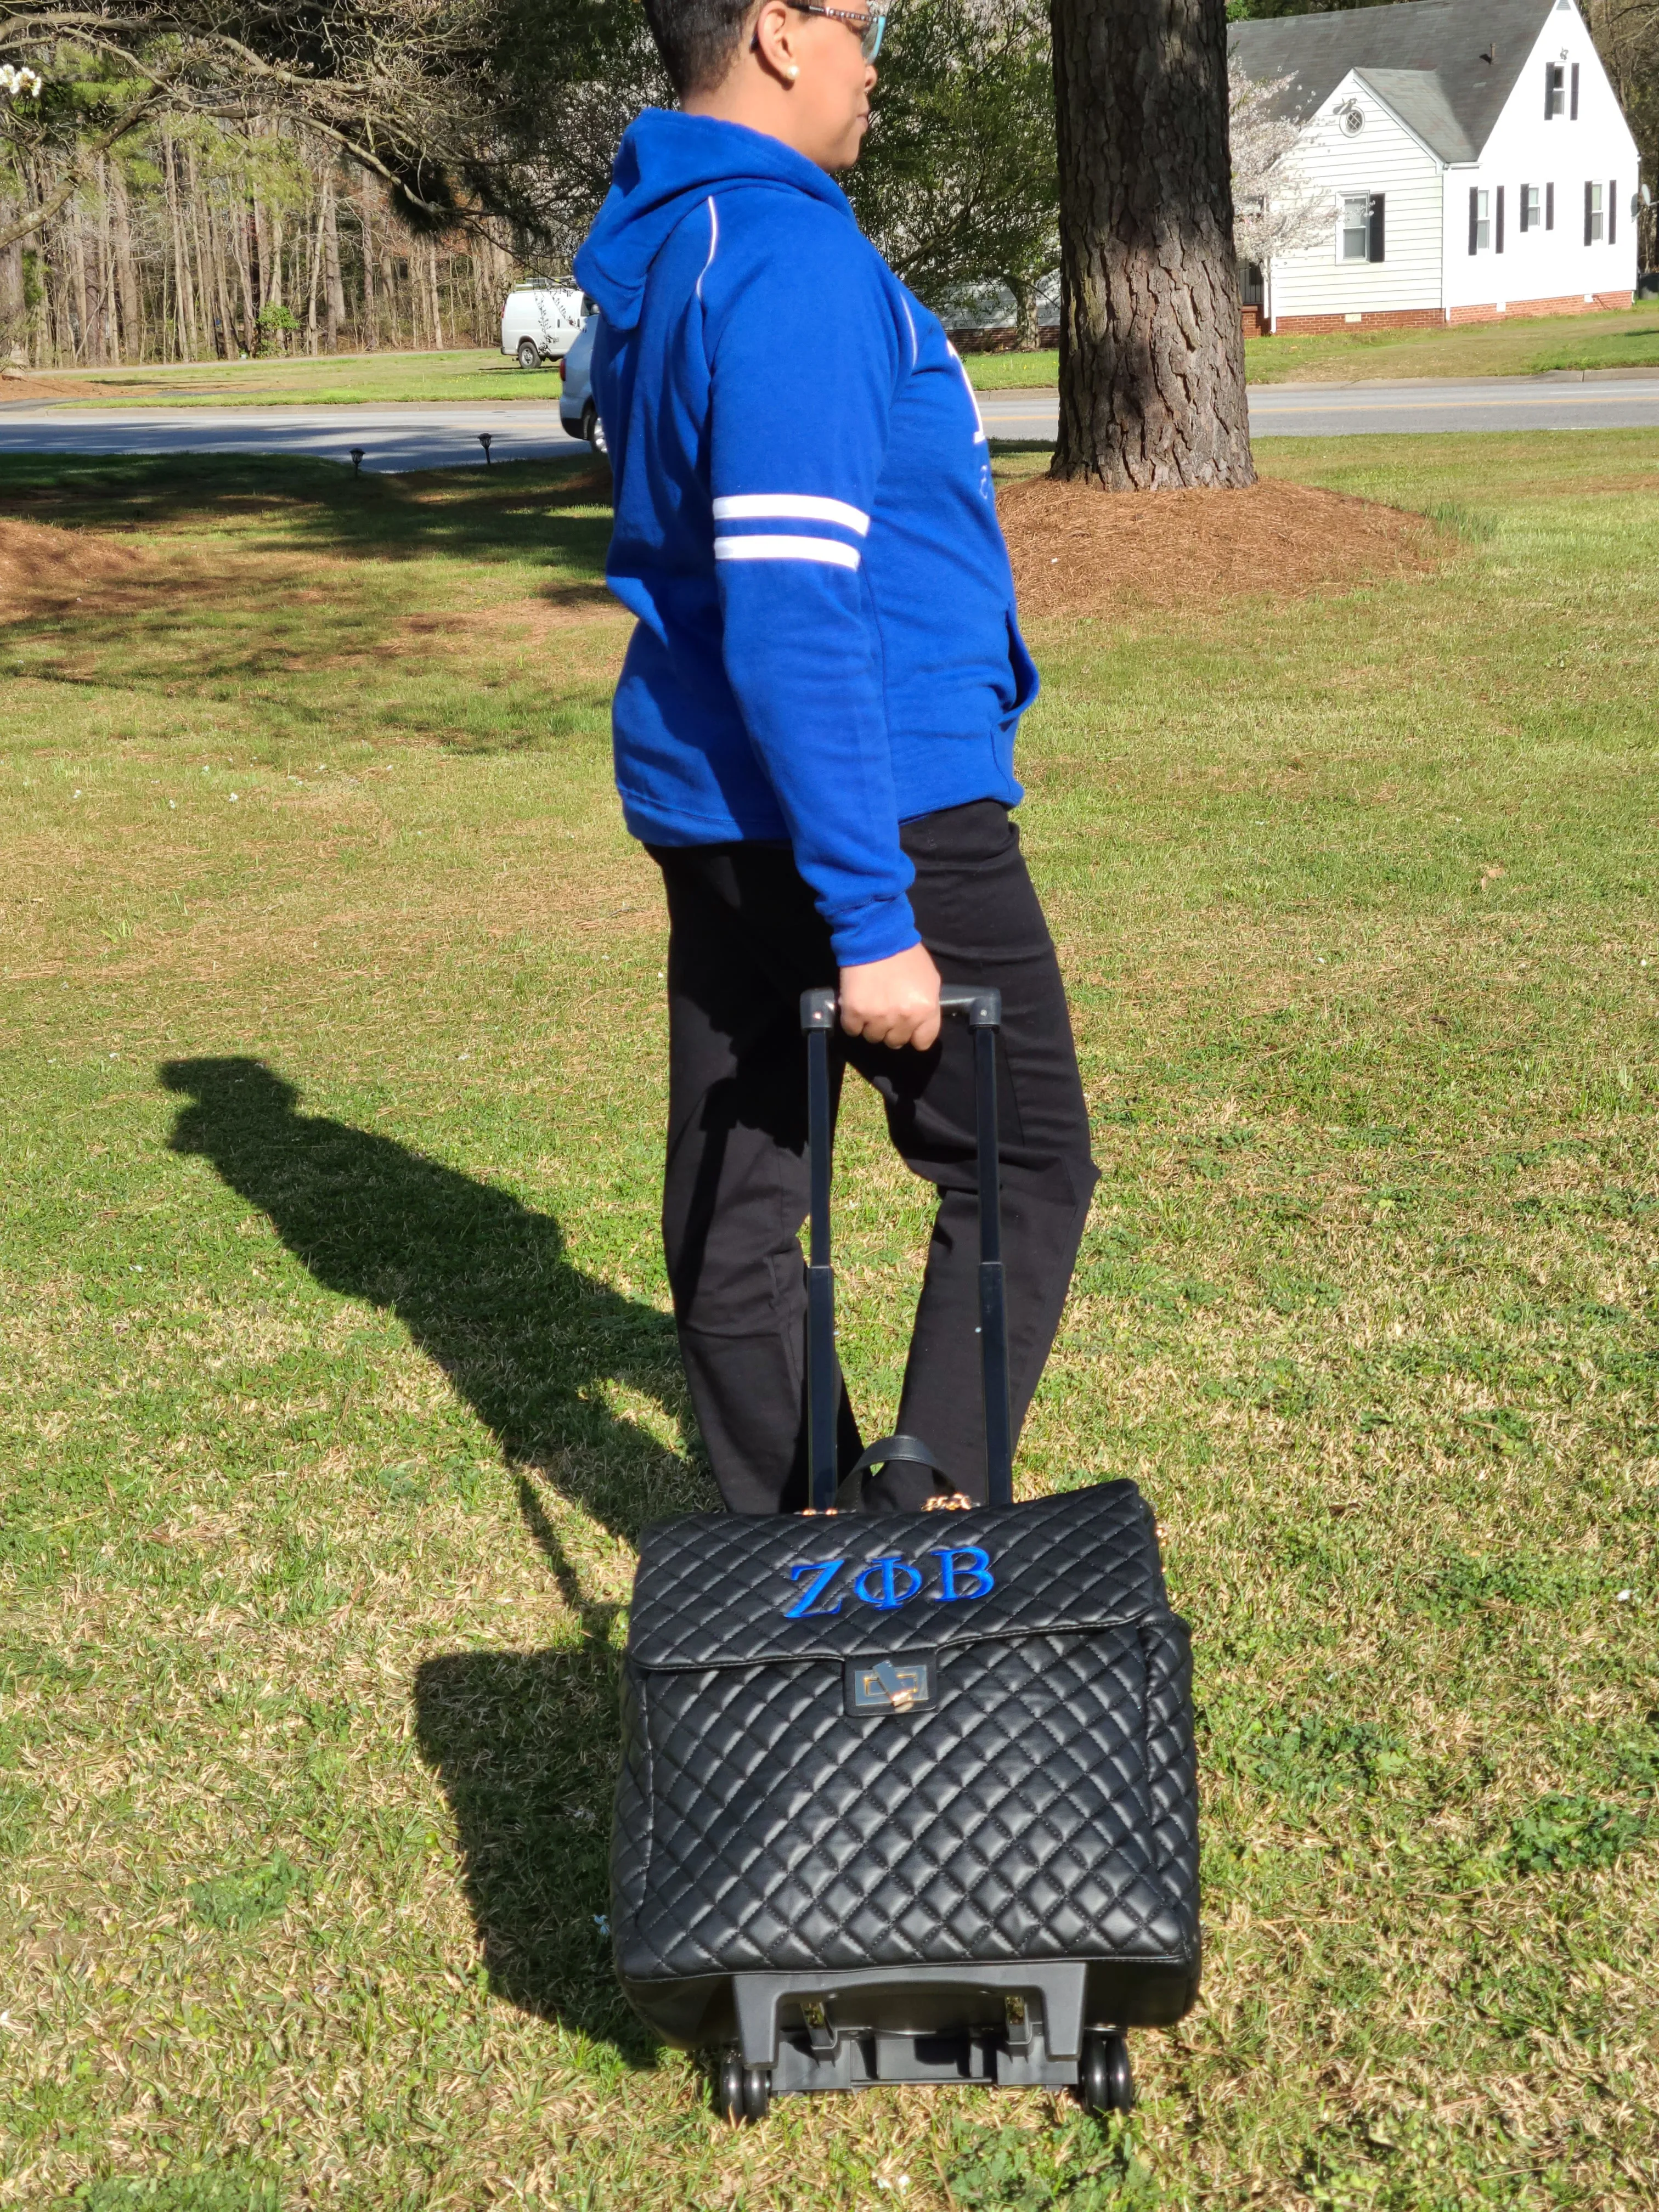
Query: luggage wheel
(741, 2095)
(1104, 2082)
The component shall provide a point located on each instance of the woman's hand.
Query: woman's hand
(893, 1002)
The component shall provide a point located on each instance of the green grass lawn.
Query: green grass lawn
(472, 372)
(339, 1382)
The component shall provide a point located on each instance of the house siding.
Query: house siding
(1312, 287)
(1542, 272)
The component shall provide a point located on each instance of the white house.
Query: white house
(1470, 156)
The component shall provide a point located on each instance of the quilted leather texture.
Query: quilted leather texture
(715, 1589)
(1045, 1807)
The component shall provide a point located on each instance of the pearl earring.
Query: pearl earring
(793, 72)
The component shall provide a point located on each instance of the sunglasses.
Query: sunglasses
(869, 23)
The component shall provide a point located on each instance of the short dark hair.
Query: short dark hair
(696, 38)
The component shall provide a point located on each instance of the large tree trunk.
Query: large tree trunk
(1028, 332)
(334, 288)
(371, 312)
(11, 298)
(1151, 348)
(127, 269)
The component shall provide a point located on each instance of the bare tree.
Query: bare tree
(1151, 348)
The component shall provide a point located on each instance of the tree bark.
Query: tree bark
(78, 271)
(131, 293)
(371, 312)
(192, 221)
(1028, 334)
(184, 291)
(314, 276)
(11, 298)
(432, 281)
(244, 243)
(1151, 348)
(334, 288)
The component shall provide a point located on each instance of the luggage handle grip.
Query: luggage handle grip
(981, 1005)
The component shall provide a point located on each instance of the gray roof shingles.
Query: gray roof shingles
(1426, 60)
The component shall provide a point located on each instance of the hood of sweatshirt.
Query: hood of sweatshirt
(665, 164)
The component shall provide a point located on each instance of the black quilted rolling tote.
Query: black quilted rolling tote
(908, 1796)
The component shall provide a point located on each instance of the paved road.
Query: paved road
(399, 436)
(1338, 410)
(418, 437)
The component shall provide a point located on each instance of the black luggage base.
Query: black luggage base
(880, 2059)
(1019, 2024)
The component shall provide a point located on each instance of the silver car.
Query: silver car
(577, 412)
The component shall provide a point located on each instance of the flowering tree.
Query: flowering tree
(1274, 212)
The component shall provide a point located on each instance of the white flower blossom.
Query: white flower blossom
(19, 81)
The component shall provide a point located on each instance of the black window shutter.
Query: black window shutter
(1521, 205)
(1374, 238)
(1474, 216)
(1549, 90)
(1587, 215)
(1498, 231)
(1574, 117)
(1549, 207)
(1613, 211)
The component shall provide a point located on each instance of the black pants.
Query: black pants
(745, 940)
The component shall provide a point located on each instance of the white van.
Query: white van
(540, 322)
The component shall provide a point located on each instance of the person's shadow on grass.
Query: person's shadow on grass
(524, 1745)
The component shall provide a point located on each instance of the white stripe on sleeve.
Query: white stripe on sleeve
(713, 242)
(790, 506)
(829, 549)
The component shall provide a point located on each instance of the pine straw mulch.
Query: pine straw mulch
(1079, 550)
(40, 564)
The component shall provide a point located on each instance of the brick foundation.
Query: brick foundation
(1389, 319)
(1430, 319)
(1564, 303)
(1253, 325)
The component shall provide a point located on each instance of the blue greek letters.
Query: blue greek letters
(979, 1568)
(879, 1583)
(824, 1572)
(964, 1571)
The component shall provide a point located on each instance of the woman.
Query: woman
(814, 732)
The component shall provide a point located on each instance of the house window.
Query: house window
(1592, 215)
(1555, 90)
(1532, 213)
(1479, 220)
(1361, 238)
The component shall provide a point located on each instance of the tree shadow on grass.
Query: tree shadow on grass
(523, 1745)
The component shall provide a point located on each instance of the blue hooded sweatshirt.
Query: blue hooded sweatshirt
(805, 527)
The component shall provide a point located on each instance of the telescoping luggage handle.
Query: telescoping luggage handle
(981, 1008)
